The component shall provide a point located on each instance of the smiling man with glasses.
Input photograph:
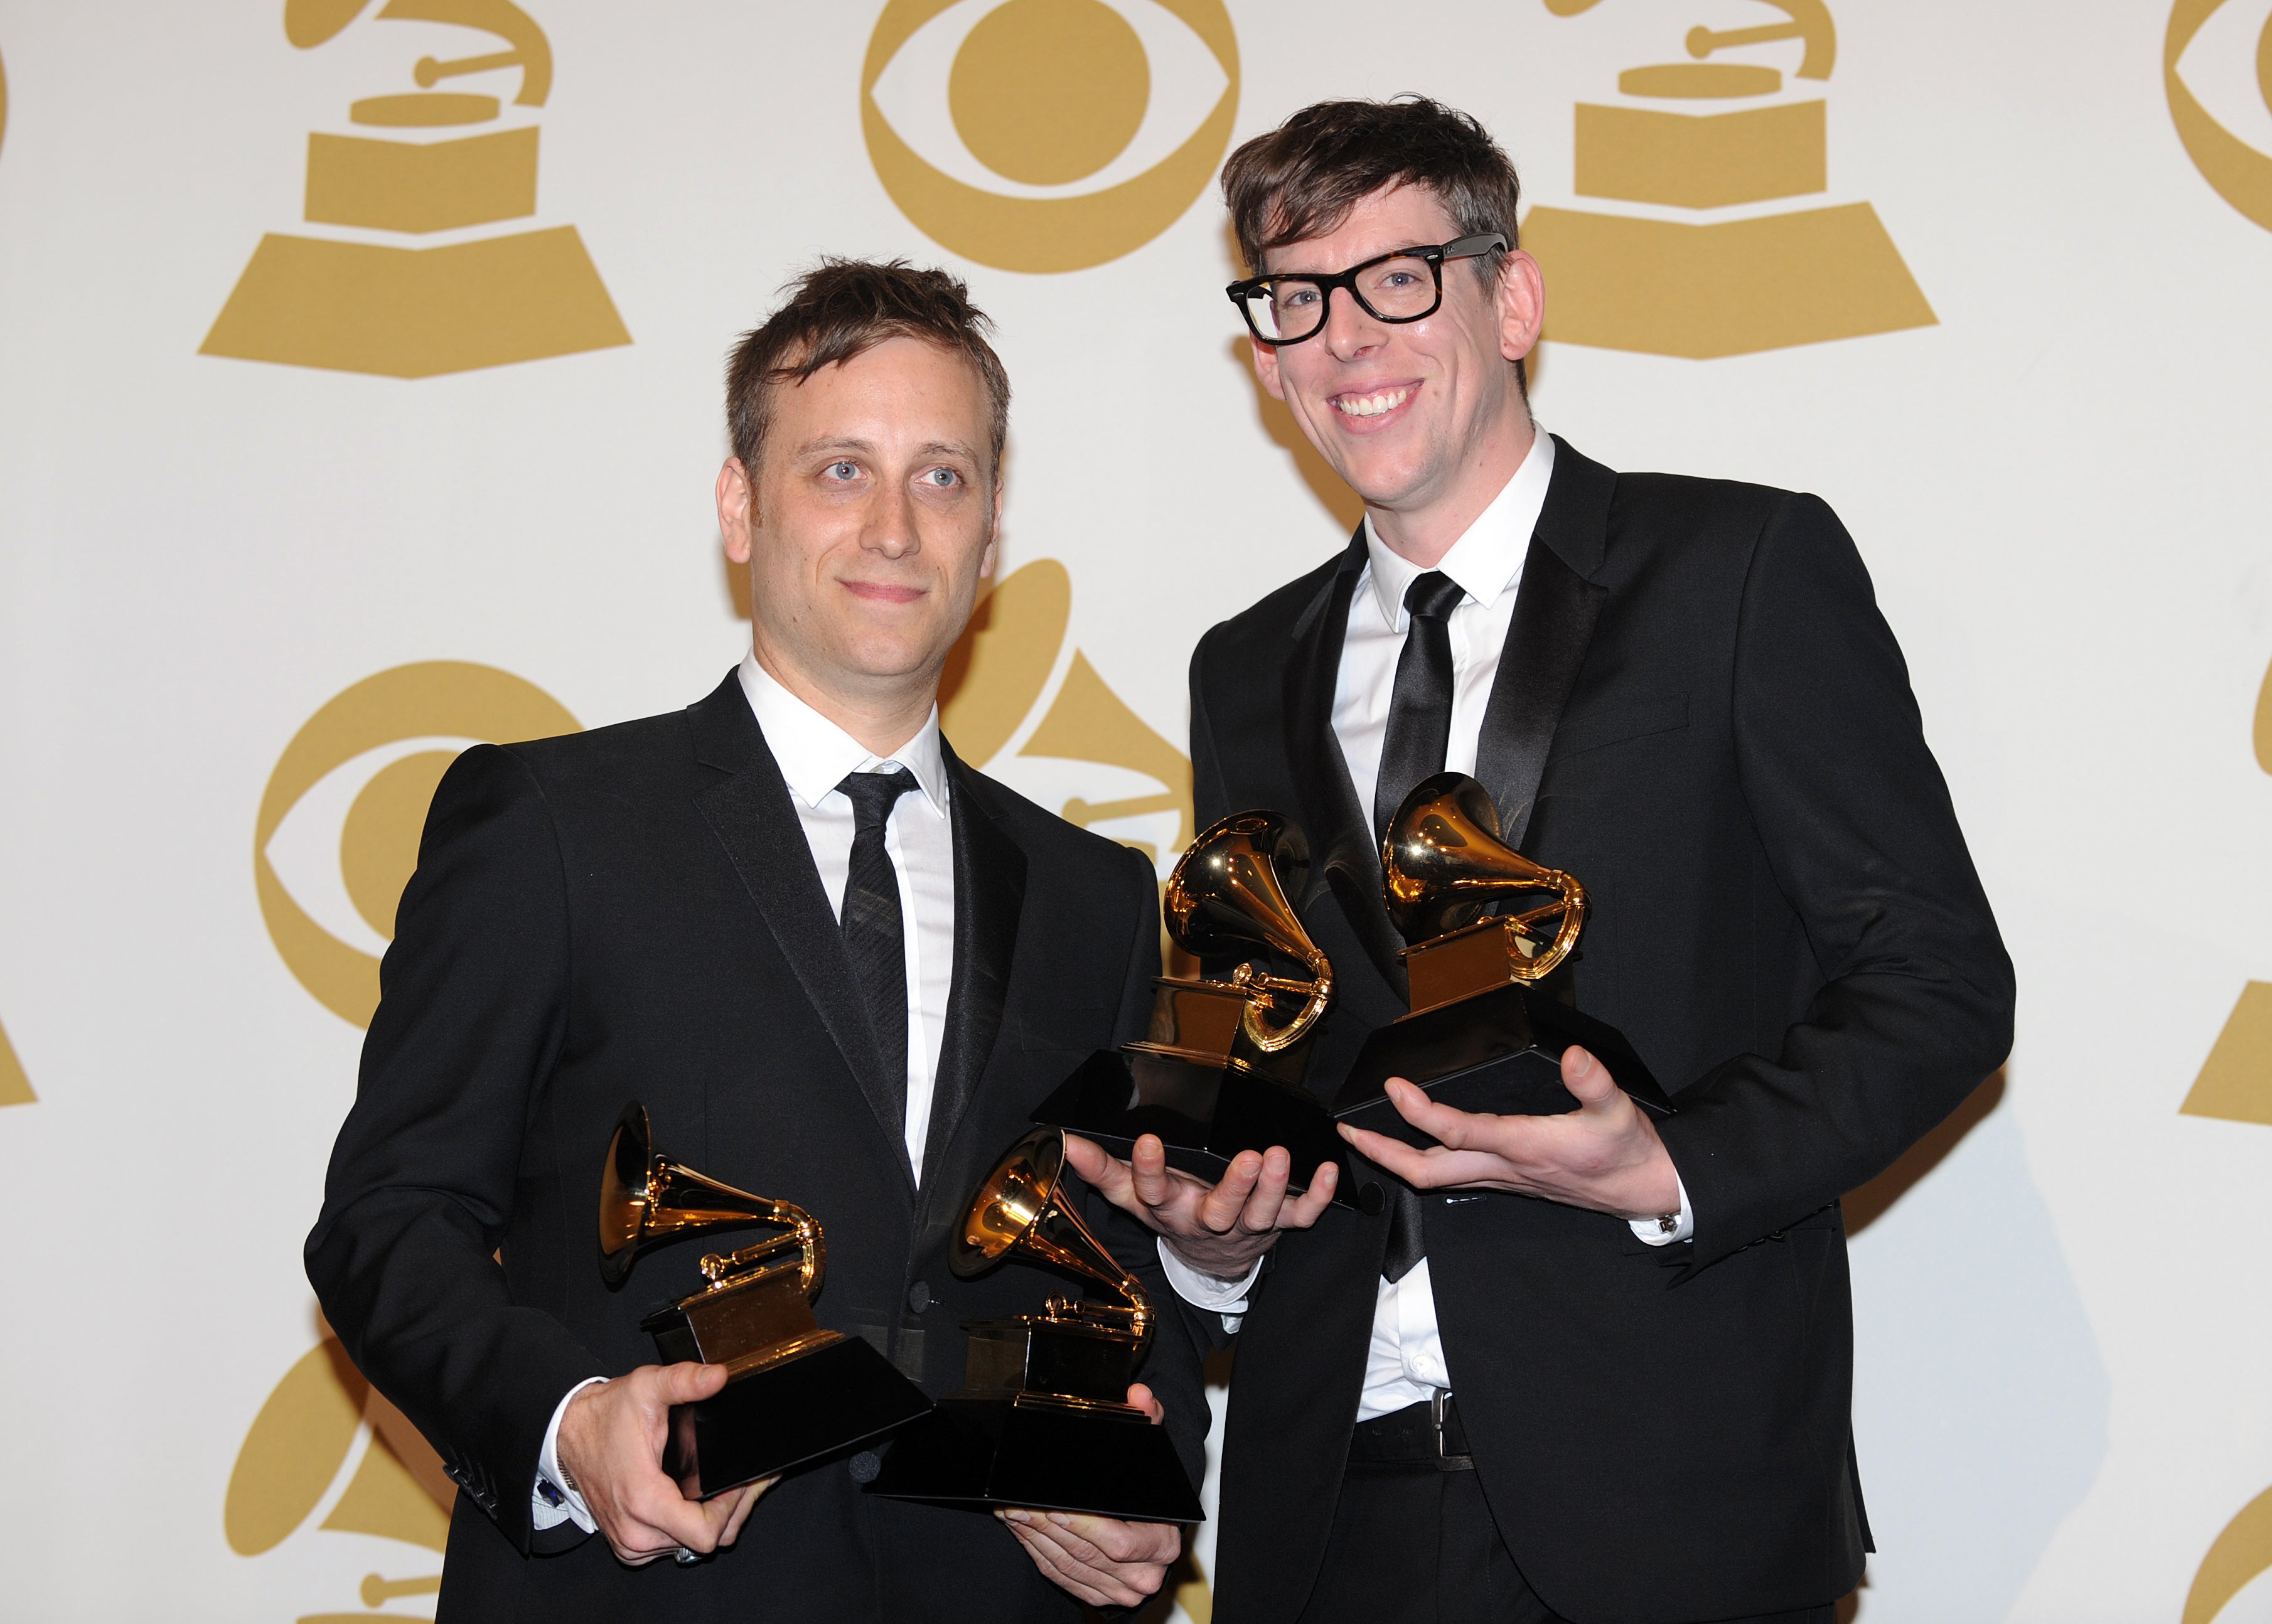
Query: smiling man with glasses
(1588, 1366)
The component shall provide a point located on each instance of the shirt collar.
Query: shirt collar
(815, 753)
(1487, 559)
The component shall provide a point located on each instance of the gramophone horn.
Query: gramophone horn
(646, 1199)
(1228, 892)
(1021, 1210)
(1443, 865)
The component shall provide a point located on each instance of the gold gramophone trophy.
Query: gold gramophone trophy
(794, 1392)
(1483, 1034)
(1220, 1067)
(1043, 1421)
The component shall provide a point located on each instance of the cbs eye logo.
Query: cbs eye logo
(2217, 69)
(1048, 135)
(337, 836)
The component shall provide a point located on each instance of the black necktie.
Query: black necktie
(873, 935)
(1418, 735)
(1420, 706)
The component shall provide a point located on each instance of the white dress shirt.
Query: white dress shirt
(815, 755)
(1406, 1361)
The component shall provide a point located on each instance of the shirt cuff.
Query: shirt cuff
(1652, 1231)
(1227, 1298)
(553, 1502)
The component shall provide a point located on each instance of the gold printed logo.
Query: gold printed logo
(2240, 174)
(1732, 286)
(354, 305)
(15, 1087)
(326, 1442)
(992, 712)
(1048, 135)
(2235, 1083)
(337, 835)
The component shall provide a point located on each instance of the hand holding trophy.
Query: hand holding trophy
(794, 1392)
(1043, 1422)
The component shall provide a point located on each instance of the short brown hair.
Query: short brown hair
(1301, 179)
(841, 308)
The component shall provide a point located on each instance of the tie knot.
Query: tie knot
(873, 793)
(1434, 595)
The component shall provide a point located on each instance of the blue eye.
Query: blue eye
(844, 469)
(943, 477)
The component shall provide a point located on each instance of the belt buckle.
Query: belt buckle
(1438, 1399)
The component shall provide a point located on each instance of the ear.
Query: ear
(737, 510)
(1521, 305)
(1265, 368)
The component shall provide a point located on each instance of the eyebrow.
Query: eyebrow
(846, 443)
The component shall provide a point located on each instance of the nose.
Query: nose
(891, 526)
(1351, 329)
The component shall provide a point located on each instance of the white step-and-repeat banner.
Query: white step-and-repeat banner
(359, 397)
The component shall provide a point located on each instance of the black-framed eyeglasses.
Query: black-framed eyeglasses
(1406, 285)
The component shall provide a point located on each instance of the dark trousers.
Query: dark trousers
(1416, 1545)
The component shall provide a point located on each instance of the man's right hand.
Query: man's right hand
(1218, 1229)
(610, 1444)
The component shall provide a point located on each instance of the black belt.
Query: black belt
(1428, 1434)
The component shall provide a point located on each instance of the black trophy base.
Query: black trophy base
(785, 1416)
(1205, 1113)
(1497, 1052)
(976, 1454)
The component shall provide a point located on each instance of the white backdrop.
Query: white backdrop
(2059, 480)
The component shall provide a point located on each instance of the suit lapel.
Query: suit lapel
(1555, 609)
(1345, 861)
(990, 891)
(754, 819)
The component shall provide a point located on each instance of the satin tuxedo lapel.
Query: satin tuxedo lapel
(1343, 857)
(756, 822)
(1554, 614)
(990, 893)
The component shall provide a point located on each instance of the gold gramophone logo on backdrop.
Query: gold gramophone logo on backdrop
(328, 1451)
(337, 834)
(354, 304)
(1742, 282)
(2235, 1085)
(991, 711)
(1048, 135)
(2238, 79)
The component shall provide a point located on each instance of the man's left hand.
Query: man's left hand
(1604, 1156)
(1102, 1560)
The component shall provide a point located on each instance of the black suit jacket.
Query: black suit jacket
(634, 913)
(1700, 713)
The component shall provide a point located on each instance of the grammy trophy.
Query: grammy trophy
(1220, 1067)
(1483, 1033)
(1043, 1421)
(794, 1392)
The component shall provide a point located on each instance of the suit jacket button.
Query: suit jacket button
(919, 1296)
(864, 1466)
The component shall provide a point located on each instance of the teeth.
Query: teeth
(1372, 405)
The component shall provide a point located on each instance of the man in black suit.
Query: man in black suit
(837, 965)
(1589, 1367)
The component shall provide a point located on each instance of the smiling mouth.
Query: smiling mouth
(1375, 405)
(879, 592)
